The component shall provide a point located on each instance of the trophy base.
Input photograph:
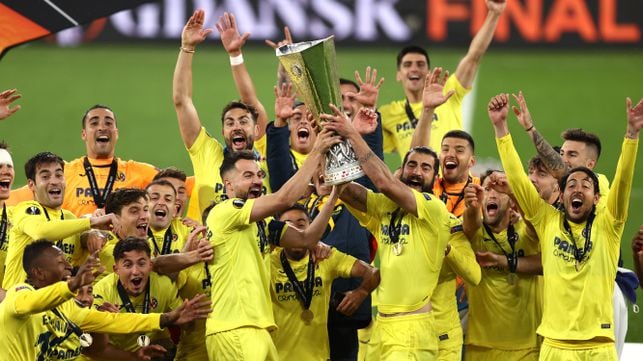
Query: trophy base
(343, 174)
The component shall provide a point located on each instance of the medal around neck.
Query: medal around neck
(143, 340)
(307, 316)
(512, 278)
(86, 340)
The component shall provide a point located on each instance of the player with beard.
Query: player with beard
(307, 339)
(413, 64)
(443, 300)
(238, 327)
(38, 316)
(44, 217)
(546, 184)
(413, 229)
(7, 175)
(580, 244)
(503, 315)
(243, 122)
(166, 233)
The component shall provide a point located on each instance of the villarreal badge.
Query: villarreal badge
(307, 316)
(397, 248)
(512, 278)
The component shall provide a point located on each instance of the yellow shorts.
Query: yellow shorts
(603, 353)
(450, 344)
(401, 338)
(364, 336)
(476, 353)
(245, 343)
(450, 353)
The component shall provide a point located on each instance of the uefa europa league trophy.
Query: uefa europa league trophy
(311, 66)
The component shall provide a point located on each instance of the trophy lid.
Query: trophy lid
(299, 47)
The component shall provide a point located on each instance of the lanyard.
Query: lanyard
(512, 261)
(263, 239)
(89, 171)
(3, 226)
(305, 294)
(62, 214)
(395, 225)
(127, 303)
(579, 254)
(444, 196)
(409, 114)
(71, 328)
(207, 282)
(167, 241)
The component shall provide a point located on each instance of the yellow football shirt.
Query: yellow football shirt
(398, 129)
(180, 233)
(4, 243)
(206, 155)
(240, 269)
(30, 223)
(163, 298)
(31, 329)
(294, 339)
(504, 316)
(423, 239)
(191, 282)
(460, 261)
(577, 303)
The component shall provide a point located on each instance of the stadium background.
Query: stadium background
(578, 80)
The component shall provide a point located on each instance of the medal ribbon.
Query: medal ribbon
(409, 114)
(71, 328)
(3, 226)
(167, 241)
(579, 254)
(395, 225)
(127, 303)
(93, 184)
(444, 196)
(512, 261)
(305, 294)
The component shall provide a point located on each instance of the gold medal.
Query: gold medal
(397, 249)
(307, 316)
(512, 278)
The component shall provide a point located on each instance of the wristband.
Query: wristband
(192, 51)
(530, 128)
(236, 60)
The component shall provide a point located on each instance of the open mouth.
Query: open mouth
(577, 203)
(142, 227)
(238, 140)
(102, 139)
(303, 134)
(55, 192)
(415, 182)
(254, 192)
(160, 213)
(492, 208)
(5, 185)
(137, 281)
(450, 165)
(414, 77)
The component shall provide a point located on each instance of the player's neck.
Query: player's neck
(58, 208)
(100, 157)
(502, 225)
(296, 256)
(413, 96)
(2, 201)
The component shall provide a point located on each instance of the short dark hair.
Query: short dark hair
(461, 134)
(4, 145)
(487, 173)
(579, 135)
(536, 162)
(206, 212)
(294, 207)
(240, 105)
(171, 172)
(119, 198)
(344, 81)
(161, 182)
(412, 49)
(230, 159)
(97, 106)
(131, 244)
(32, 253)
(41, 158)
(590, 173)
(423, 150)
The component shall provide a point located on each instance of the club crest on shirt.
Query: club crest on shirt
(121, 177)
(33, 210)
(154, 303)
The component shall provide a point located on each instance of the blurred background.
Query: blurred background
(575, 60)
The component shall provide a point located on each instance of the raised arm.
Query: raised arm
(468, 66)
(472, 216)
(233, 42)
(282, 75)
(618, 200)
(374, 167)
(6, 98)
(370, 280)
(432, 98)
(552, 159)
(296, 186)
(193, 34)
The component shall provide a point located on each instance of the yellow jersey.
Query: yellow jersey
(191, 282)
(398, 128)
(577, 294)
(32, 221)
(5, 228)
(206, 155)
(460, 261)
(163, 298)
(295, 339)
(423, 240)
(177, 237)
(32, 330)
(240, 268)
(504, 316)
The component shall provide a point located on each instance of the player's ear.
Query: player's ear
(31, 184)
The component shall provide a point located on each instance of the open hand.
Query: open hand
(193, 32)
(432, 95)
(230, 38)
(6, 98)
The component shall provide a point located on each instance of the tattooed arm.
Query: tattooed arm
(552, 159)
